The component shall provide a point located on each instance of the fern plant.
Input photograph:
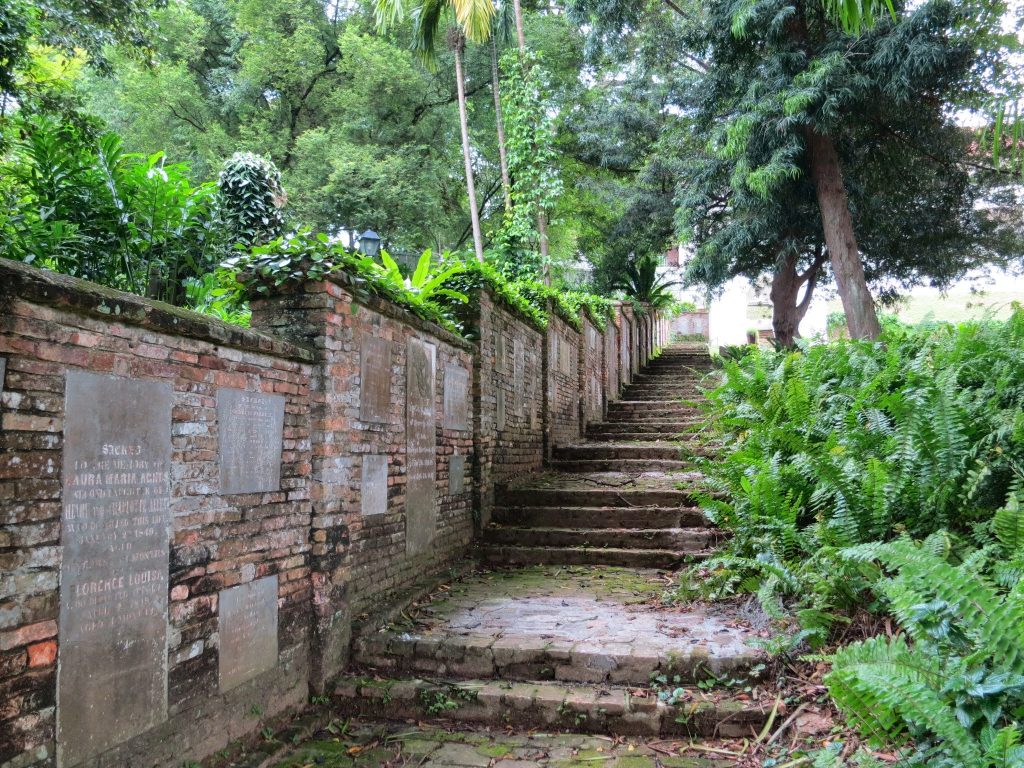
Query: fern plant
(951, 690)
(831, 446)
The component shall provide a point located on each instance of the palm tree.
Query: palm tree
(472, 21)
(640, 281)
(502, 29)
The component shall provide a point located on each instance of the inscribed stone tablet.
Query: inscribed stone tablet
(251, 426)
(502, 417)
(421, 447)
(248, 631)
(456, 388)
(500, 356)
(518, 384)
(115, 532)
(374, 379)
(456, 475)
(373, 489)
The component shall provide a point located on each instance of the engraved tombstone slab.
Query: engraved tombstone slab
(500, 356)
(456, 475)
(374, 378)
(518, 361)
(248, 631)
(421, 447)
(251, 426)
(456, 388)
(373, 492)
(115, 532)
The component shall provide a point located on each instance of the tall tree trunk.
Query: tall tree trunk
(787, 312)
(542, 229)
(478, 241)
(520, 34)
(827, 174)
(506, 182)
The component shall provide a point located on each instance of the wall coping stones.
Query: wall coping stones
(395, 312)
(23, 282)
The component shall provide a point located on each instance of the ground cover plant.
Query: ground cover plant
(887, 478)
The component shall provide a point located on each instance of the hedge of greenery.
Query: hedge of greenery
(887, 477)
(442, 290)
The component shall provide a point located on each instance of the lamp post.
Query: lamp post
(369, 243)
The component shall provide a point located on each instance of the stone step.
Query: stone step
(666, 426)
(641, 419)
(663, 559)
(619, 498)
(459, 656)
(601, 517)
(613, 710)
(636, 436)
(696, 540)
(635, 451)
(661, 395)
(627, 466)
(664, 406)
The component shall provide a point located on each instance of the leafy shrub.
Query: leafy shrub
(539, 295)
(293, 260)
(852, 442)
(599, 309)
(475, 276)
(251, 199)
(951, 697)
(220, 295)
(81, 205)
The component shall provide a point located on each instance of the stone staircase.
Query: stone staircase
(610, 500)
(565, 630)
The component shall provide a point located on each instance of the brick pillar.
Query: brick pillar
(309, 316)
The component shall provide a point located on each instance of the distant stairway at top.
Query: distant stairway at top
(615, 499)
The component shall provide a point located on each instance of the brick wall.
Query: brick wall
(509, 405)
(334, 528)
(611, 362)
(562, 374)
(591, 365)
(624, 314)
(364, 556)
(52, 325)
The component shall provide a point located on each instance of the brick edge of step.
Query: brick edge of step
(547, 706)
(614, 556)
(475, 657)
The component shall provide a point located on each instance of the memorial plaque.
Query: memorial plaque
(374, 379)
(564, 358)
(500, 355)
(373, 487)
(251, 426)
(115, 534)
(518, 385)
(421, 447)
(248, 631)
(456, 388)
(501, 409)
(456, 475)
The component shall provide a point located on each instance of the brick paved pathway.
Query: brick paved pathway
(564, 635)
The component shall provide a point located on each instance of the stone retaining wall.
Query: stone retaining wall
(192, 515)
(509, 399)
(591, 364)
(562, 350)
(131, 515)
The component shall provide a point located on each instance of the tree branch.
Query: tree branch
(191, 121)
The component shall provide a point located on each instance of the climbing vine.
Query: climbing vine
(530, 131)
